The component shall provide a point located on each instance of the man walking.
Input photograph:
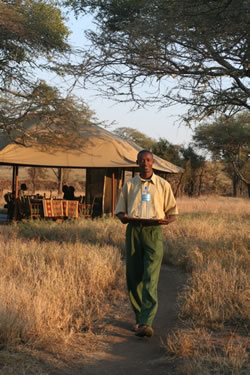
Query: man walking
(144, 245)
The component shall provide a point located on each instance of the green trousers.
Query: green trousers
(144, 253)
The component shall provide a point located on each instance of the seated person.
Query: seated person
(71, 193)
(65, 190)
(9, 199)
(38, 196)
(22, 190)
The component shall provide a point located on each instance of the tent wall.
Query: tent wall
(102, 189)
(112, 186)
(94, 188)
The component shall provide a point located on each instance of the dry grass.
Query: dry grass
(207, 353)
(49, 292)
(216, 296)
(58, 281)
(215, 229)
(53, 293)
(100, 232)
(212, 241)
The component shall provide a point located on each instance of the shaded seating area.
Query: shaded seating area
(28, 207)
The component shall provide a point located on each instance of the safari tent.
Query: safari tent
(105, 156)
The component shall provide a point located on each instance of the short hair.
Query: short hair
(143, 152)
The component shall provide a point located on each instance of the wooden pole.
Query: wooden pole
(16, 182)
(123, 176)
(87, 190)
(13, 180)
(113, 194)
(60, 180)
(15, 192)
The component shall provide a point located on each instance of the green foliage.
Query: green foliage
(228, 139)
(162, 147)
(195, 166)
(196, 161)
(186, 157)
(166, 150)
(46, 27)
(29, 29)
(135, 136)
(33, 38)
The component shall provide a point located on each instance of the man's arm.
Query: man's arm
(168, 219)
(122, 217)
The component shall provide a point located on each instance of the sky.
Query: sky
(151, 122)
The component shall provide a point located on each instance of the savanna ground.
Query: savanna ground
(64, 309)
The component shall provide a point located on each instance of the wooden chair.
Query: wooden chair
(36, 209)
(85, 209)
(23, 208)
(28, 208)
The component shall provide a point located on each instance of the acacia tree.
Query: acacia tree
(33, 38)
(44, 118)
(228, 139)
(29, 30)
(195, 166)
(192, 52)
(135, 136)
(166, 150)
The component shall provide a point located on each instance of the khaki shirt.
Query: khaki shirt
(162, 198)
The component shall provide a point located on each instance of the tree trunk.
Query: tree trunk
(235, 181)
(200, 183)
(191, 188)
(240, 176)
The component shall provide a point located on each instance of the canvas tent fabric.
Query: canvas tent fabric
(96, 148)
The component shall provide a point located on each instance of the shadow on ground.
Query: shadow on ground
(123, 352)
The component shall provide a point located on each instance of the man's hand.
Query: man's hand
(168, 219)
(123, 217)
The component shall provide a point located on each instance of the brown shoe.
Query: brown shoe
(135, 327)
(144, 331)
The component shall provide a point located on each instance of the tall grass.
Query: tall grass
(53, 291)
(212, 242)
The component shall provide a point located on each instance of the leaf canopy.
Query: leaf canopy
(28, 30)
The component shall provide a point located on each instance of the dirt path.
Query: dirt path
(123, 352)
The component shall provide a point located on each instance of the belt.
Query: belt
(140, 223)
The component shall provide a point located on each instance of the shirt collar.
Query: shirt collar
(153, 179)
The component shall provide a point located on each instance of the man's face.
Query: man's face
(145, 162)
